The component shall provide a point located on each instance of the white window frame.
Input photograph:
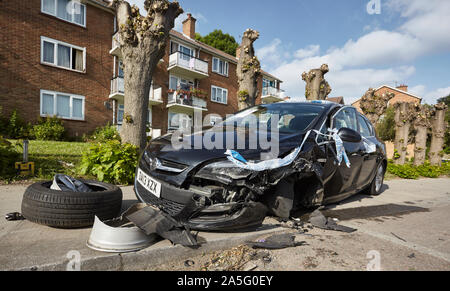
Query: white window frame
(55, 101)
(189, 81)
(149, 114)
(56, 13)
(225, 67)
(55, 52)
(223, 89)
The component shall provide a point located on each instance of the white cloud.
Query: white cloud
(309, 51)
(378, 57)
(272, 54)
(432, 96)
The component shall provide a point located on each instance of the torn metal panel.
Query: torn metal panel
(154, 221)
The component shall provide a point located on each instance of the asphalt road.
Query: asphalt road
(405, 228)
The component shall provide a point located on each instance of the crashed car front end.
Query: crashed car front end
(222, 196)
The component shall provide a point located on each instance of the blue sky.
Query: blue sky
(408, 42)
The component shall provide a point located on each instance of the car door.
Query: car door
(370, 154)
(345, 177)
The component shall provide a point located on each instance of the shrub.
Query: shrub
(50, 128)
(14, 127)
(409, 171)
(8, 157)
(110, 162)
(386, 127)
(403, 171)
(104, 134)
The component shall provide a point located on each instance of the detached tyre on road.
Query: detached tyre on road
(65, 209)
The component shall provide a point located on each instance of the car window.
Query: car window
(364, 129)
(291, 118)
(346, 118)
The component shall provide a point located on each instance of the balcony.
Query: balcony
(117, 88)
(118, 92)
(272, 95)
(115, 51)
(185, 103)
(155, 96)
(183, 64)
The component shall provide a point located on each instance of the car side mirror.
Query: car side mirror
(349, 135)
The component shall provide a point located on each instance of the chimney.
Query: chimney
(189, 26)
(238, 52)
(403, 88)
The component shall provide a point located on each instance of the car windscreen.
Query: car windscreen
(289, 117)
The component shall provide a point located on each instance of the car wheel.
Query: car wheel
(377, 183)
(61, 209)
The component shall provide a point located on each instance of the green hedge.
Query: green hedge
(409, 171)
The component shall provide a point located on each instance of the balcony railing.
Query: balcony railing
(156, 95)
(116, 45)
(189, 63)
(117, 86)
(118, 89)
(191, 101)
(272, 92)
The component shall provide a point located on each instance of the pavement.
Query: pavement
(408, 226)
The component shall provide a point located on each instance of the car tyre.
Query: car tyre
(59, 209)
(377, 184)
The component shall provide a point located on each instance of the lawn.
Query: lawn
(52, 157)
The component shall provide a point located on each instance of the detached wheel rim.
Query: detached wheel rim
(379, 179)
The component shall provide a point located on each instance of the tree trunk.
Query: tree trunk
(403, 116)
(438, 139)
(248, 71)
(421, 124)
(138, 79)
(317, 88)
(142, 41)
(374, 106)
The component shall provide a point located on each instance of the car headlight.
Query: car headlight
(224, 168)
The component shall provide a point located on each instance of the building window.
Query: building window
(220, 67)
(63, 55)
(269, 83)
(179, 121)
(177, 83)
(62, 105)
(219, 95)
(68, 10)
(120, 112)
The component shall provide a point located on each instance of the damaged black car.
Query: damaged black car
(324, 152)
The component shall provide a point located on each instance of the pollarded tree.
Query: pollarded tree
(374, 105)
(317, 88)
(143, 40)
(421, 124)
(439, 128)
(404, 115)
(248, 70)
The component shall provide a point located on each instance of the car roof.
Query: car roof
(327, 104)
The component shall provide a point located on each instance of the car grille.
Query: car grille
(169, 207)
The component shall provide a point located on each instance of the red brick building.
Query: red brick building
(401, 95)
(61, 57)
(189, 65)
(55, 60)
